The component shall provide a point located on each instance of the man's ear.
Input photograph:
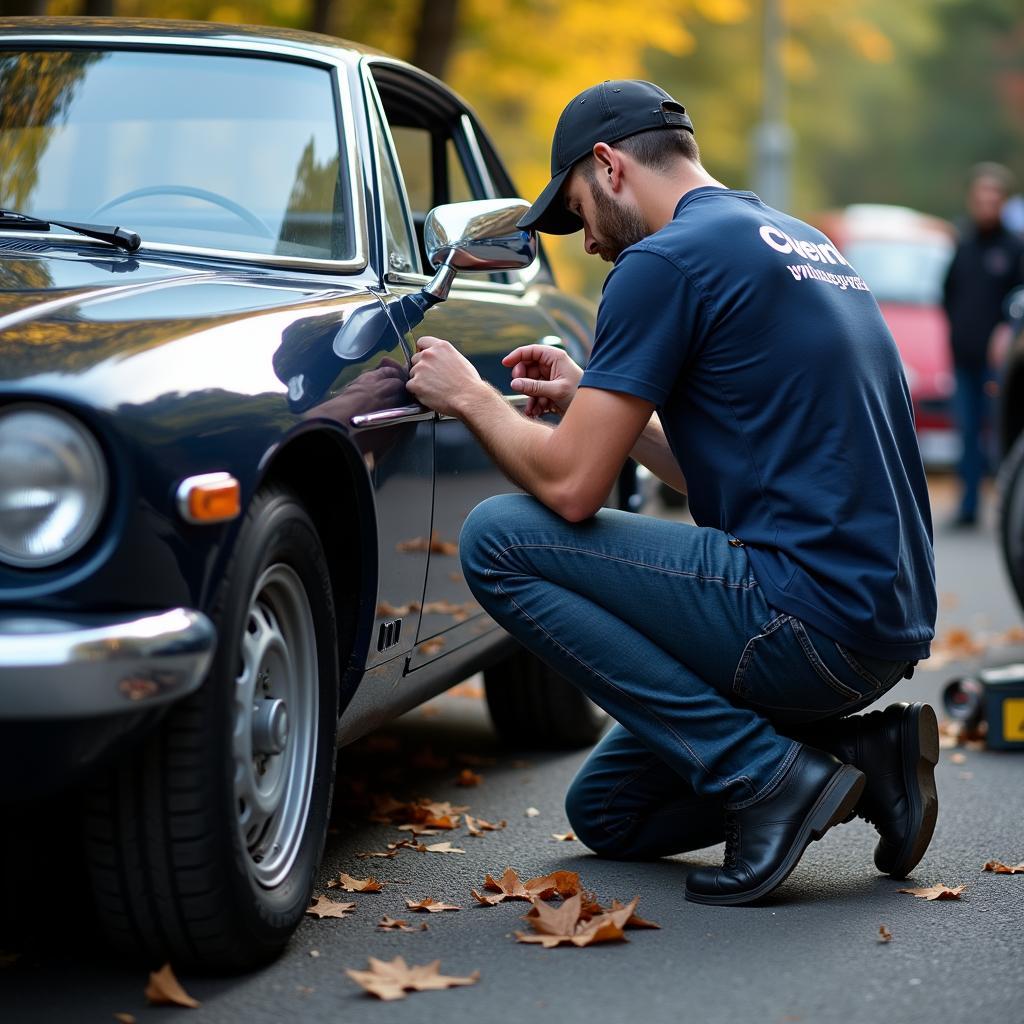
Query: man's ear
(608, 164)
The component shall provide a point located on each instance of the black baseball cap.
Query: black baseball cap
(605, 112)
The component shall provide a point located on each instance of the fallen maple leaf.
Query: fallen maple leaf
(564, 837)
(477, 826)
(936, 892)
(564, 924)
(544, 887)
(561, 883)
(393, 924)
(328, 908)
(468, 777)
(999, 868)
(445, 847)
(884, 935)
(164, 989)
(430, 906)
(419, 830)
(634, 920)
(350, 884)
(391, 979)
(508, 887)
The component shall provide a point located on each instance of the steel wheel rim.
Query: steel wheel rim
(277, 678)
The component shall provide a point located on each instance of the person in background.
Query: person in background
(987, 265)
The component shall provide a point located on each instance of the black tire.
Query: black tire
(532, 706)
(174, 876)
(1011, 515)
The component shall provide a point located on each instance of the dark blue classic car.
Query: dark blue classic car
(227, 532)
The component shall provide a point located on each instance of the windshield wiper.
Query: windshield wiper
(121, 237)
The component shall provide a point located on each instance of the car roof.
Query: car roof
(156, 29)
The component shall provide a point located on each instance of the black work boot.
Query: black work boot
(897, 749)
(765, 840)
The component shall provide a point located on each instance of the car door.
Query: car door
(485, 316)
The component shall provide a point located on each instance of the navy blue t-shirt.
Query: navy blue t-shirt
(783, 398)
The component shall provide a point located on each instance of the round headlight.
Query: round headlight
(53, 486)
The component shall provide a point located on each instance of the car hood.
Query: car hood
(64, 317)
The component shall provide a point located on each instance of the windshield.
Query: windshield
(898, 271)
(220, 152)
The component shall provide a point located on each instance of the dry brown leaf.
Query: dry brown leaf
(396, 611)
(999, 868)
(884, 935)
(350, 884)
(328, 908)
(459, 612)
(634, 920)
(477, 826)
(531, 812)
(468, 777)
(560, 883)
(508, 887)
(390, 979)
(564, 924)
(426, 812)
(564, 837)
(936, 892)
(125, 1018)
(377, 853)
(445, 847)
(434, 545)
(164, 989)
(430, 906)
(392, 924)
(419, 830)
(471, 690)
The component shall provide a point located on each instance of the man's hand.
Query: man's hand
(547, 375)
(441, 375)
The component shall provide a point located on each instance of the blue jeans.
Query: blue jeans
(664, 626)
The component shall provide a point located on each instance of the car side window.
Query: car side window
(400, 250)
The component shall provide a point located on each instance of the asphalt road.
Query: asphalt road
(809, 953)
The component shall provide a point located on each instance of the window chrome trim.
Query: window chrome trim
(517, 288)
(296, 54)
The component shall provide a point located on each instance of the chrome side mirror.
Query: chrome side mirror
(476, 236)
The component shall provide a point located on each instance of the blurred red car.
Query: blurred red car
(903, 255)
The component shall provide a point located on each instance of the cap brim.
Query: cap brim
(548, 213)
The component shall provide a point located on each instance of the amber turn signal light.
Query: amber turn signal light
(210, 498)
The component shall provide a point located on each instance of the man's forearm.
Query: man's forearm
(515, 442)
(652, 450)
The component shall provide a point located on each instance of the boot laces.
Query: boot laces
(732, 841)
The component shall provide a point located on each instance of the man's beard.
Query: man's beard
(620, 226)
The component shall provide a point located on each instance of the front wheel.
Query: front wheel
(1011, 515)
(204, 844)
(531, 705)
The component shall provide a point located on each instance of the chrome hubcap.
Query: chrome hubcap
(274, 739)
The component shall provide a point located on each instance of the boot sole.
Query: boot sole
(919, 735)
(834, 803)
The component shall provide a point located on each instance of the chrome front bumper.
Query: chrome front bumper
(56, 666)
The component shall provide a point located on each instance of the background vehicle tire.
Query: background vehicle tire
(531, 705)
(204, 843)
(1011, 515)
